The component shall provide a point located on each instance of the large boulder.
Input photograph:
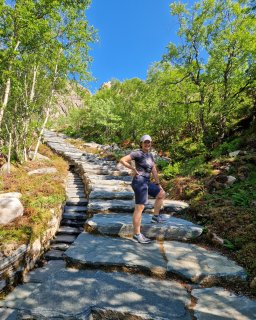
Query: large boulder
(10, 209)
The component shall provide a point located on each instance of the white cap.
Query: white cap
(146, 137)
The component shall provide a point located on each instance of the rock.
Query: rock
(216, 239)
(200, 265)
(17, 195)
(217, 303)
(43, 171)
(38, 156)
(10, 209)
(230, 180)
(243, 172)
(67, 293)
(234, 153)
(253, 284)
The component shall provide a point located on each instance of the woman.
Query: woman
(142, 187)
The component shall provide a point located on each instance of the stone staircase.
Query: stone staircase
(73, 218)
(95, 270)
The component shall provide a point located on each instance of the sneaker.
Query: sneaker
(158, 219)
(141, 238)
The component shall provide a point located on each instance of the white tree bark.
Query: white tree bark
(27, 119)
(7, 90)
(9, 151)
(47, 112)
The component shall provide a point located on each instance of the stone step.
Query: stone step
(60, 246)
(54, 255)
(188, 261)
(96, 205)
(95, 250)
(99, 194)
(107, 172)
(72, 184)
(75, 194)
(84, 293)
(106, 178)
(64, 239)
(200, 265)
(76, 201)
(74, 180)
(40, 275)
(216, 303)
(75, 208)
(74, 216)
(72, 223)
(75, 189)
(120, 224)
(69, 230)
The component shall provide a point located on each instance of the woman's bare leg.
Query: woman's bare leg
(159, 202)
(136, 219)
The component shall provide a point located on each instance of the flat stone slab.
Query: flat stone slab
(217, 303)
(96, 250)
(40, 275)
(105, 178)
(75, 194)
(69, 292)
(97, 193)
(121, 224)
(76, 202)
(8, 314)
(64, 239)
(54, 255)
(74, 215)
(69, 230)
(96, 205)
(75, 208)
(200, 265)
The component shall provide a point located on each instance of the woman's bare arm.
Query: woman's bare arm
(126, 161)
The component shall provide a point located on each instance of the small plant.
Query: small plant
(171, 171)
(226, 147)
(228, 244)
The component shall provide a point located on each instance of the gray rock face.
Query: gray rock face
(90, 249)
(121, 224)
(200, 265)
(216, 303)
(70, 292)
(10, 209)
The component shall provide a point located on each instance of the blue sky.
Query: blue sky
(133, 34)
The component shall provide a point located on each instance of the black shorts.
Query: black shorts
(142, 187)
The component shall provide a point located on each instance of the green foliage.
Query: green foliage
(22, 233)
(171, 171)
(228, 244)
(41, 44)
(162, 164)
(226, 147)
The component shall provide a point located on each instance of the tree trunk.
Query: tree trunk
(47, 112)
(7, 89)
(27, 118)
(9, 151)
